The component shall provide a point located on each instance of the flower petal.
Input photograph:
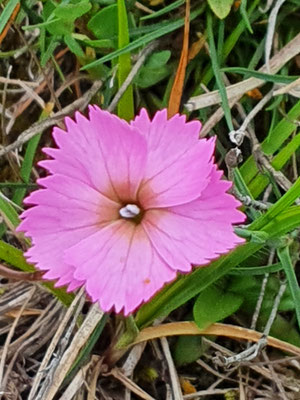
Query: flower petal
(172, 173)
(104, 152)
(48, 249)
(123, 149)
(198, 231)
(122, 269)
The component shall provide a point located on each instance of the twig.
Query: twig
(259, 156)
(141, 59)
(275, 308)
(267, 7)
(270, 33)
(116, 373)
(39, 127)
(259, 301)
(20, 275)
(177, 393)
(292, 88)
(252, 352)
(237, 136)
(275, 377)
(10, 336)
(3, 106)
(18, 82)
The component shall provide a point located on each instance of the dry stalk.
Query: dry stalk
(237, 90)
(92, 319)
(8, 341)
(176, 388)
(53, 345)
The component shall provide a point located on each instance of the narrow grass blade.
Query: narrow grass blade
(281, 205)
(257, 185)
(167, 28)
(232, 39)
(250, 271)
(272, 143)
(275, 78)
(125, 105)
(8, 212)
(243, 10)
(284, 256)
(216, 69)
(6, 13)
(164, 10)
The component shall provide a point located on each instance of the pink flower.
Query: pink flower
(127, 206)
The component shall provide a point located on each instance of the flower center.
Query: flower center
(130, 211)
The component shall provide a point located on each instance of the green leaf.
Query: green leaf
(261, 75)
(70, 12)
(220, 7)
(60, 26)
(213, 305)
(74, 46)
(158, 59)
(49, 51)
(104, 24)
(14, 257)
(154, 70)
(233, 38)
(125, 105)
(101, 43)
(249, 271)
(188, 349)
(243, 11)
(8, 212)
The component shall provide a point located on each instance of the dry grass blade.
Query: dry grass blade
(130, 384)
(176, 92)
(78, 380)
(176, 388)
(237, 90)
(133, 358)
(271, 31)
(93, 317)
(190, 328)
(52, 346)
(9, 338)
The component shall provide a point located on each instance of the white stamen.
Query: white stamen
(129, 211)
